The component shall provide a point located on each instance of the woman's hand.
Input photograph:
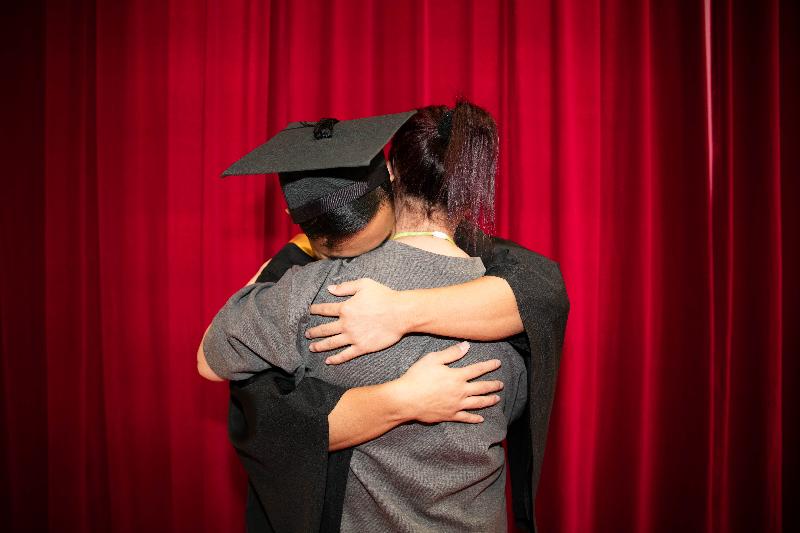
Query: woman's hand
(433, 392)
(372, 320)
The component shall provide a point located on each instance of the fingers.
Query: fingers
(451, 354)
(474, 402)
(325, 330)
(477, 388)
(345, 355)
(331, 343)
(348, 288)
(469, 418)
(326, 309)
(480, 402)
(478, 369)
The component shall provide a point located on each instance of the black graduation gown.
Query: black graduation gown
(280, 428)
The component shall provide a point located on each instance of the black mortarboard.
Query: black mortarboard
(324, 165)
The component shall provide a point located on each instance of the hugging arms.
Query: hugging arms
(375, 318)
(538, 301)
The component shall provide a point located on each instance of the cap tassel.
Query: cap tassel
(324, 128)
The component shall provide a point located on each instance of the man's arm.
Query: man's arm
(486, 310)
(544, 307)
(520, 288)
(376, 316)
(429, 391)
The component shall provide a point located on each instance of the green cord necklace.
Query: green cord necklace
(437, 234)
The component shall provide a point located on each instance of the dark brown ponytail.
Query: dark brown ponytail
(446, 159)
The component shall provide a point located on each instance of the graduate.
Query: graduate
(255, 330)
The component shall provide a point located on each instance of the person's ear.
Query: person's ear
(391, 172)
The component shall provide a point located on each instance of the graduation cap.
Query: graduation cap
(326, 164)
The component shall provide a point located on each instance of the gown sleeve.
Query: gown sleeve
(279, 428)
(543, 305)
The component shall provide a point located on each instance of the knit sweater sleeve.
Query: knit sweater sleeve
(257, 328)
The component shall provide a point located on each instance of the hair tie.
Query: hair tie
(445, 126)
(323, 129)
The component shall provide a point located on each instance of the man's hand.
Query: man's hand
(433, 392)
(372, 320)
(429, 392)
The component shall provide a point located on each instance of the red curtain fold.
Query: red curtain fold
(649, 147)
(22, 355)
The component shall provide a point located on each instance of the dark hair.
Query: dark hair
(447, 158)
(342, 223)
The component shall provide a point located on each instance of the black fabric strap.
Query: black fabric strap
(287, 257)
(343, 196)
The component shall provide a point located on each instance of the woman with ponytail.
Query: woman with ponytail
(444, 161)
(416, 294)
(449, 476)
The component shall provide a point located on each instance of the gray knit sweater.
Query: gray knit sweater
(417, 477)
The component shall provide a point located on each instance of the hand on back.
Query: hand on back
(370, 321)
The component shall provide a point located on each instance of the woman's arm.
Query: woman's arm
(202, 365)
(376, 316)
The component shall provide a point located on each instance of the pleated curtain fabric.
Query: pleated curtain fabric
(649, 147)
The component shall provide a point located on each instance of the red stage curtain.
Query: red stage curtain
(649, 147)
